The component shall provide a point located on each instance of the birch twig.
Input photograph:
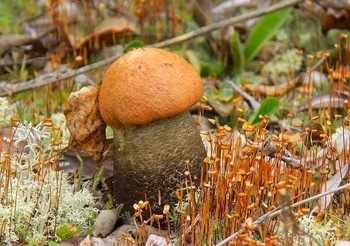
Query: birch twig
(66, 73)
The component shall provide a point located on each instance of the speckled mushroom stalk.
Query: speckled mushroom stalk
(144, 97)
(153, 158)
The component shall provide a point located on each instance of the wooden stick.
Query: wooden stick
(281, 210)
(225, 23)
(67, 73)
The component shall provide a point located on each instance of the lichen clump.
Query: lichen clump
(36, 200)
(6, 112)
(34, 209)
(310, 232)
(285, 63)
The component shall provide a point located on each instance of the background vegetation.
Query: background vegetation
(274, 117)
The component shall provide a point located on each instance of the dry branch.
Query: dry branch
(66, 73)
(226, 22)
(281, 210)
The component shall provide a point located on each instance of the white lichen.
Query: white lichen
(35, 140)
(6, 112)
(341, 139)
(34, 199)
(59, 119)
(284, 64)
(309, 232)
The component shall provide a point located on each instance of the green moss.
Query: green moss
(66, 231)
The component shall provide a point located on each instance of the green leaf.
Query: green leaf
(266, 28)
(237, 53)
(4, 20)
(206, 70)
(132, 45)
(226, 94)
(212, 68)
(268, 107)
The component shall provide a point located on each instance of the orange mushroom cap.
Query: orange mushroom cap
(145, 85)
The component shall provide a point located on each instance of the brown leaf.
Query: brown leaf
(84, 122)
(334, 18)
(272, 90)
(71, 162)
(108, 32)
(324, 100)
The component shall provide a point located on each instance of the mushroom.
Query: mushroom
(145, 96)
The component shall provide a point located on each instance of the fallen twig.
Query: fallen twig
(281, 210)
(226, 22)
(60, 74)
(10, 89)
(254, 104)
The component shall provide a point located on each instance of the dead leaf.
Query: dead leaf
(71, 163)
(224, 109)
(331, 184)
(85, 123)
(272, 90)
(323, 101)
(334, 18)
(109, 31)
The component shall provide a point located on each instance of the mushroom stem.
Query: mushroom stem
(151, 159)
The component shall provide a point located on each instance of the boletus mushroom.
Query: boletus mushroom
(145, 96)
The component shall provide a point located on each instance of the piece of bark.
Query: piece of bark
(85, 123)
